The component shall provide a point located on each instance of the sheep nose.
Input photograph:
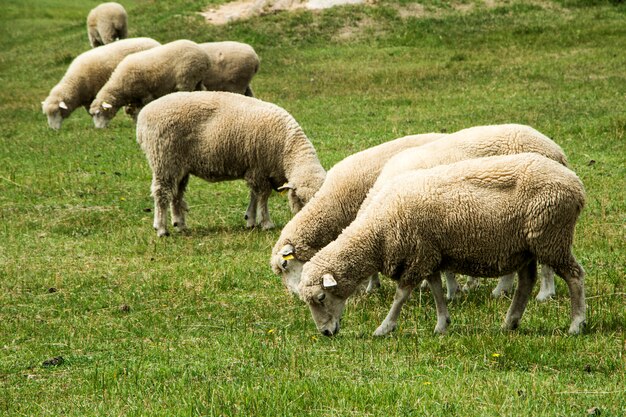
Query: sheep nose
(327, 332)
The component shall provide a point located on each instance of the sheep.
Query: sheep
(334, 206)
(469, 143)
(233, 64)
(86, 75)
(148, 75)
(106, 23)
(220, 136)
(483, 217)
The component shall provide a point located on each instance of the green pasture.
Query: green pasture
(99, 317)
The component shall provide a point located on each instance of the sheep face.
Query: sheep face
(285, 264)
(326, 307)
(102, 113)
(55, 112)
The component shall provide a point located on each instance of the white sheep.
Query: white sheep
(86, 75)
(482, 217)
(221, 136)
(145, 76)
(334, 206)
(470, 143)
(106, 23)
(233, 64)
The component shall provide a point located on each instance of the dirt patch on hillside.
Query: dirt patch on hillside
(245, 9)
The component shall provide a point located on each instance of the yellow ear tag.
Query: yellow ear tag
(283, 192)
(288, 257)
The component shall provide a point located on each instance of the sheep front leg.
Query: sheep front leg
(263, 211)
(526, 277)
(547, 289)
(403, 291)
(443, 319)
(373, 283)
(250, 215)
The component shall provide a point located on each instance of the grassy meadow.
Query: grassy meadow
(98, 316)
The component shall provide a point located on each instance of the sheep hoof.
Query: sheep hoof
(541, 297)
(384, 330)
(267, 226)
(577, 327)
(162, 233)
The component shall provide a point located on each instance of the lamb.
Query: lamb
(233, 64)
(508, 213)
(86, 75)
(469, 143)
(221, 136)
(334, 206)
(107, 23)
(145, 76)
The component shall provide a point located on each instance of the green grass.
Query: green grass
(197, 324)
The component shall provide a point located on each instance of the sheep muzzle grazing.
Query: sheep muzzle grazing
(326, 307)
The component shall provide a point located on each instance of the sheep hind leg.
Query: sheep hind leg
(179, 206)
(443, 318)
(389, 324)
(162, 194)
(505, 286)
(547, 289)
(574, 276)
(452, 286)
(373, 283)
(527, 276)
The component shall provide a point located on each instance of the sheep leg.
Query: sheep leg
(505, 286)
(472, 282)
(452, 286)
(574, 276)
(373, 283)
(179, 206)
(403, 291)
(443, 318)
(162, 194)
(547, 289)
(263, 212)
(250, 215)
(527, 275)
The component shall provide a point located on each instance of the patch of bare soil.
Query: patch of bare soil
(245, 9)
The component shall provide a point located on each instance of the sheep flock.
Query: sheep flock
(486, 201)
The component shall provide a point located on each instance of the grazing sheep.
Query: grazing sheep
(334, 206)
(233, 64)
(221, 136)
(470, 143)
(86, 75)
(482, 217)
(148, 75)
(107, 23)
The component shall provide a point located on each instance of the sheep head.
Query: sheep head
(55, 111)
(317, 289)
(102, 113)
(286, 264)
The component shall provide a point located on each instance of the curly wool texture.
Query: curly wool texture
(88, 73)
(222, 136)
(233, 64)
(145, 76)
(473, 142)
(107, 23)
(337, 202)
(480, 217)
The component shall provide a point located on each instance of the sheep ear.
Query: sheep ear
(106, 105)
(285, 187)
(63, 105)
(328, 281)
(43, 102)
(287, 252)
